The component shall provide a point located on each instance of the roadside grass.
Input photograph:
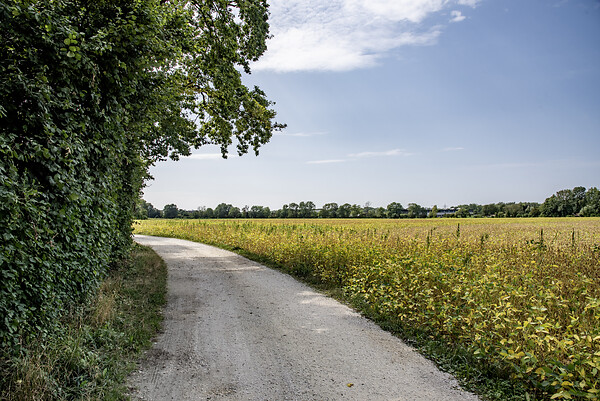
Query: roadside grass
(90, 358)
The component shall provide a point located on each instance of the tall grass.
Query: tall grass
(90, 358)
(520, 297)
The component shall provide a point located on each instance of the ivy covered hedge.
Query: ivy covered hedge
(91, 94)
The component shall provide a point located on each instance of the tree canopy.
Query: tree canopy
(92, 93)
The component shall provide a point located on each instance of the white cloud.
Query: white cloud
(301, 134)
(452, 149)
(470, 3)
(205, 156)
(457, 16)
(393, 152)
(342, 35)
(363, 155)
(326, 161)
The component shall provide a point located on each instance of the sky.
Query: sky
(435, 102)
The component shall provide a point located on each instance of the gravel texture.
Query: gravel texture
(236, 330)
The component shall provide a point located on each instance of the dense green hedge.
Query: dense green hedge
(91, 94)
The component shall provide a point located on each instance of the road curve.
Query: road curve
(236, 330)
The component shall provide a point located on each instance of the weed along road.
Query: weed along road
(236, 330)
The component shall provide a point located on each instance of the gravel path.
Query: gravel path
(236, 330)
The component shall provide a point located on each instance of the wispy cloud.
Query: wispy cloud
(326, 161)
(457, 16)
(470, 3)
(393, 152)
(205, 156)
(454, 149)
(301, 134)
(546, 164)
(341, 35)
(363, 155)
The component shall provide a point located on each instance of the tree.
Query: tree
(433, 212)
(490, 209)
(293, 210)
(170, 211)
(565, 202)
(356, 211)
(378, 213)
(91, 95)
(344, 210)
(284, 212)
(222, 210)
(306, 209)
(329, 210)
(259, 212)
(578, 198)
(234, 213)
(416, 211)
(592, 203)
(394, 210)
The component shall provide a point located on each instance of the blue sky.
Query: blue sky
(439, 102)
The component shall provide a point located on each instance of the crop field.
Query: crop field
(521, 295)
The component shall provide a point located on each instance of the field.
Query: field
(521, 296)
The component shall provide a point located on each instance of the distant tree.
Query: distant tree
(170, 211)
(344, 210)
(141, 209)
(490, 209)
(462, 212)
(222, 211)
(266, 212)
(209, 213)
(234, 212)
(550, 207)
(306, 209)
(377, 213)
(566, 202)
(578, 199)
(356, 211)
(284, 212)
(475, 209)
(293, 210)
(394, 210)
(416, 211)
(259, 212)
(434, 211)
(329, 210)
(533, 210)
(592, 203)
(512, 209)
(368, 210)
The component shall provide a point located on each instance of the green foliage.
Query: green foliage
(91, 94)
(569, 202)
(90, 357)
(170, 211)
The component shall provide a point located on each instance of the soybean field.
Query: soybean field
(521, 297)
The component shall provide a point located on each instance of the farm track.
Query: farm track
(236, 330)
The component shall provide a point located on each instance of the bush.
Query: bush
(89, 99)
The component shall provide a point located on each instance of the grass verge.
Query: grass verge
(90, 358)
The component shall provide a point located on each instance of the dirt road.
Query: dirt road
(236, 330)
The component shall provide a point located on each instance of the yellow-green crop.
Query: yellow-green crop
(523, 294)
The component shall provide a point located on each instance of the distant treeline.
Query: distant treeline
(567, 202)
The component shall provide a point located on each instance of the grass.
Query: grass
(91, 357)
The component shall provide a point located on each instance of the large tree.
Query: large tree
(91, 94)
